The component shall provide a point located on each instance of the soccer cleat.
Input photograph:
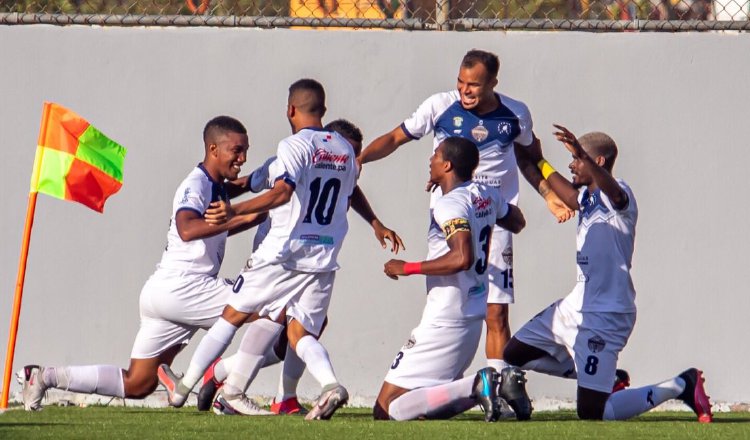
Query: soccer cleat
(210, 386)
(288, 406)
(694, 395)
(513, 390)
(171, 382)
(333, 397)
(485, 393)
(622, 380)
(237, 406)
(33, 387)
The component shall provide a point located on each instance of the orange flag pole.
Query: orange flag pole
(16, 313)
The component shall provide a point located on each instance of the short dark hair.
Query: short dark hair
(600, 144)
(308, 96)
(488, 59)
(463, 154)
(346, 129)
(222, 124)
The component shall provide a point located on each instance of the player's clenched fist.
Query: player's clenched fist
(394, 268)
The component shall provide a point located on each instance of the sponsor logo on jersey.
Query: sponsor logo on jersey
(581, 259)
(410, 343)
(185, 196)
(477, 290)
(480, 132)
(458, 121)
(314, 238)
(480, 202)
(596, 344)
(457, 131)
(504, 128)
(323, 158)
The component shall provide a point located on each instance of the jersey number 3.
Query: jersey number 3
(320, 206)
(484, 240)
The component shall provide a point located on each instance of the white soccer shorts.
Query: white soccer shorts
(435, 355)
(593, 339)
(501, 268)
(269, 288)
(173, 306)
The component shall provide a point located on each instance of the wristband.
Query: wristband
(412, 268)
(545, 168)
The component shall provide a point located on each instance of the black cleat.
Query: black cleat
(485, 393)
(513, 390)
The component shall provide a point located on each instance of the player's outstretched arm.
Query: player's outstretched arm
(383, 145)
(527, 158)
(280, 194)
(191, 226)
(513, 221)
(603, 179)
(362, 207)
(459, 257)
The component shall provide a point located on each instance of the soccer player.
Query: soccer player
(184, 294)
(425, 379)
(285, 401)
(584, 332)
(293, 269)
(502, 129)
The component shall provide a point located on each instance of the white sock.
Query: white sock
(212, 345)
(91, 379)
(316, 357)
(497, 364)
(270, 357)
(441, 401)
(224, 366)
(291, 373)
(553, 367)
(629, 403)
(259, 335)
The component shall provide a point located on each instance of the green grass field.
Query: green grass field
(142, 423)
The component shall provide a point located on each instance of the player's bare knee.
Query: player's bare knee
(139, 387)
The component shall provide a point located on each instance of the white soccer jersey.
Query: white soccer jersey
(454, 299)
(201, 256)
(306, 234)
(494, 134)
(605, 243)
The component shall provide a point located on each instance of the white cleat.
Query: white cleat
(33, 387)
(176, 394)
(237, 406)
(332, 398)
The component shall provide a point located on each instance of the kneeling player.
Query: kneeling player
(425, 379)
(582, 334)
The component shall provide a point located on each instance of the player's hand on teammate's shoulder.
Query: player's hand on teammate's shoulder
(393, 268)
(382, 233)
(218, 213)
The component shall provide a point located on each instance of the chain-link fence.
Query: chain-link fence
(589, 15)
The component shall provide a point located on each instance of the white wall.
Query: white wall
(675, 103)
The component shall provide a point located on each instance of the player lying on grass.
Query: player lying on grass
(426, 379)
(584, 332)
(285, 401)
(184, 294)
(293, 269)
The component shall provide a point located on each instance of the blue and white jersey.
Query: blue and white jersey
(201, 256)
(460, 297)
(494, 133)
(604, 243)
(306, 233)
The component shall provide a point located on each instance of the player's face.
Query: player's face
(437, 165)
(580, 176)
(231, 154)
(475, 87)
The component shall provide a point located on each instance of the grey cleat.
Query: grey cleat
(513, 390)
(33, 387)
(333, 397)
(239, 405)
(177, 393)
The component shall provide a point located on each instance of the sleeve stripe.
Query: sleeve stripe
(188, 209)
(286, 178)
(408, 133)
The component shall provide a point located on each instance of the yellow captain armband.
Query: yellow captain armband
(457, 224)
(545, 168)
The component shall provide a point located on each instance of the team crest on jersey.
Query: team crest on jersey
(596, 344)
(480, 132)
(504, 128)
(458, 121)
(508, 256)
(457, 224)
(410, 343)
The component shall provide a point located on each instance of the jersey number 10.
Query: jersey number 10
(319, 200)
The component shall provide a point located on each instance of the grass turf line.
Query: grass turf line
(143, 423)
